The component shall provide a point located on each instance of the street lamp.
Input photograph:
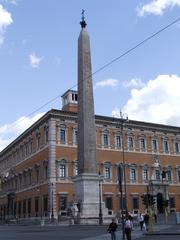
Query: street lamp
(120, 177)
(52, 210)
(100, 201)
(38, 189)
(165, 202)
(124, 118)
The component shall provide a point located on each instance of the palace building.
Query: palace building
(41, 177)
(37, 169)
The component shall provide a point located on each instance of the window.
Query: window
(157, 174)
(108, 203)
(130, 143)
(38, 141)
(63, 135)
(25, 179)
(46, 171)
(30, 146)
(20, 181)
(36, 205)
(26, 149)
(29, 177)
(46, 134)
(176, 147)
(169, 175)
(165, 145)
(107, 171)
(16, 183)
(105, 140)
(133, 174)
(63, 202)
(29, 207)
(172, 202)
(45, 205)
(75, 136)
(75, 168)
(145, 174)
(74, 97)
(135, 202)
(178, 175)
(142, 144)
(62, 169)
(154, 145)
(118, 141)
(37, 175)
(24, 208)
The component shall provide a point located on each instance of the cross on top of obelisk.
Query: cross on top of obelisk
(83, 22)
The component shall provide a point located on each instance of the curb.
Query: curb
(161, 233)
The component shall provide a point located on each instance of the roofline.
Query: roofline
(106, 119)
(69, 90)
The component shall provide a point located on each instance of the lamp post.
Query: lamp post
(100, 201)
(38, 189)
(120, 177)
(163, 175)
(124, 118)
(52, 209)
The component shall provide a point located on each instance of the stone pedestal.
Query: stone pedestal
(87, 197)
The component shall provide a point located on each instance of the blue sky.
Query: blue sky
(38, 59)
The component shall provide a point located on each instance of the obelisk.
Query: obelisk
(87, 180)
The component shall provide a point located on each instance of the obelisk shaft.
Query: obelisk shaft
(86, 120)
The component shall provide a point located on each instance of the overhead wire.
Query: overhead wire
(103, 67)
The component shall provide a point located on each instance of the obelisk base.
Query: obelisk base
(88, 192)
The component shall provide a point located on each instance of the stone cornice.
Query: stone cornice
(100, 120)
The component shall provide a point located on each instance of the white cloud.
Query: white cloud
(107, 83)
(157, 7)
(9, 132)
(156, 102)
(5, 21)
(135, 82)
(13, 2)
(34, 60)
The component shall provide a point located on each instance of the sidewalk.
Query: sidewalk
(136, 233)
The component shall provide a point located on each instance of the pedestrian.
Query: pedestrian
(146, 221)
(128, 227)
(130, 217)
(112, 229)
(155, 217)
(141, 221)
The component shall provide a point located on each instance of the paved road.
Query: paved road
(75, 232)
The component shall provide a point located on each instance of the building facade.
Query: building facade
(37, 169)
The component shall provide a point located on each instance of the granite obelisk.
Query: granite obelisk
(86, 182)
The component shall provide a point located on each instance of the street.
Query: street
(50, 232)
(77, 232)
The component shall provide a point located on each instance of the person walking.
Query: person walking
(155, 217)
(146, 221)
(128, 227)
(112, 229)
(141, 221)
